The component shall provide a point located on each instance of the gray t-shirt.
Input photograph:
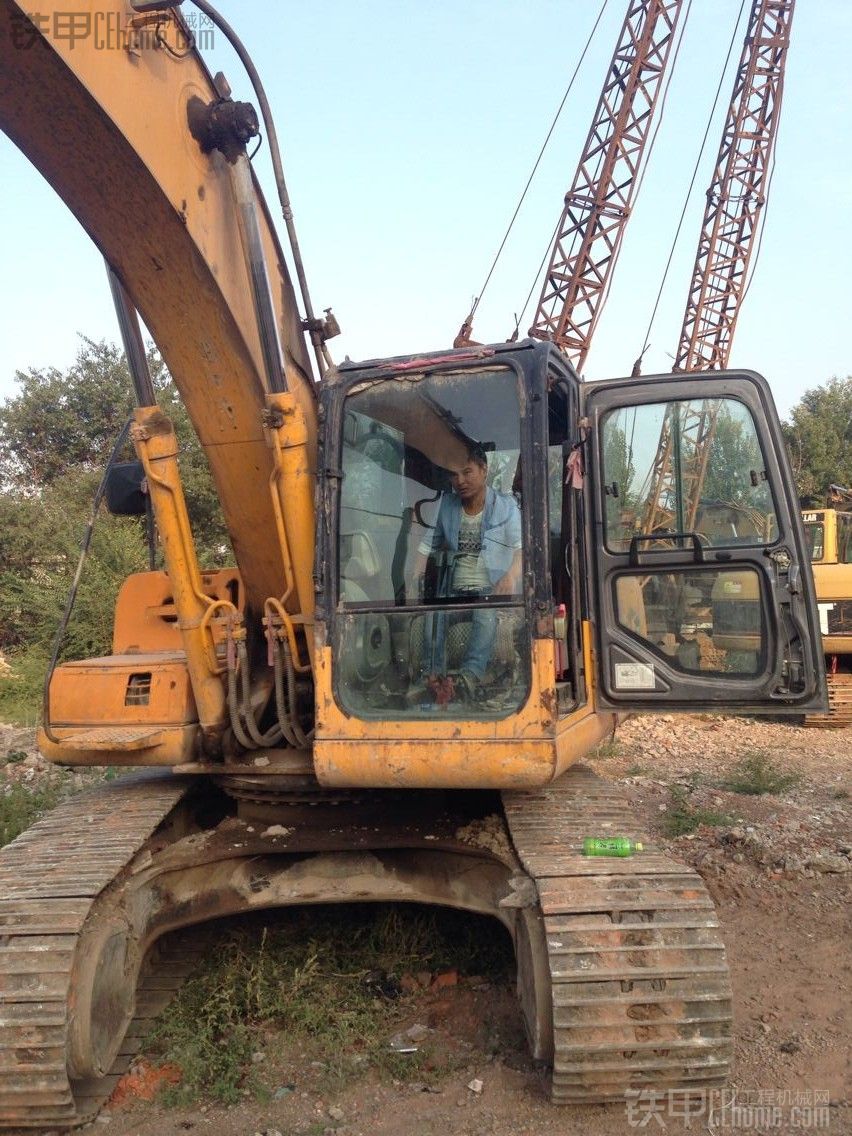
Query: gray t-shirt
(469, 571)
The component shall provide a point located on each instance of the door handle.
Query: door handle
(697, 546)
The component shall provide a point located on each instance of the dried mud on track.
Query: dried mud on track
(779, 866)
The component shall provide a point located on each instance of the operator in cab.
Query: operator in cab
(476, 547)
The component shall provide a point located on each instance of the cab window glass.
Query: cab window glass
(692, 467)
(409, 447)
(430, 556)
(815, 540)
(703, 620)
(844, 538)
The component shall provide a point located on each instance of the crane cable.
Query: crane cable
(71, 598)
(601, 159)
(535, 279)
(478, 298)
(646, 344)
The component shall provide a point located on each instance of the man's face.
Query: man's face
(469, 480)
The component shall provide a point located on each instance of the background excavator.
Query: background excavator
(828, 532)
(302, 757)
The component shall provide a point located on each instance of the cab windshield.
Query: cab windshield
(430, 557)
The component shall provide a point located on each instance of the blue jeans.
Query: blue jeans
(480, 644)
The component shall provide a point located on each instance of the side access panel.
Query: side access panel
(704, 596)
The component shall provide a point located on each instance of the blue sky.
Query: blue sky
(408, 131)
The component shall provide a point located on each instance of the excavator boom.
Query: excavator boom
(107, 124)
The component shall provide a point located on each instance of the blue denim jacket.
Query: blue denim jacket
(501, 530)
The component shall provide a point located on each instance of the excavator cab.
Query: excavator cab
(430, 627)
(675, 562)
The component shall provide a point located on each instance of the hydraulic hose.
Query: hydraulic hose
(322, 357)
(75, 583)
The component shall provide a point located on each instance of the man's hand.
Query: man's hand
(510, 583)
(414, 584)
(507, 585)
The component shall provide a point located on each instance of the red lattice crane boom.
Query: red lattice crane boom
(737, 192)
(598, 204)
(735, 199)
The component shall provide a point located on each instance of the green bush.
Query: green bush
(682, 818)
(755, 774)
(20, 692)
(21, 806)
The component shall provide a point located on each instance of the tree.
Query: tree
(619, 471)
(60, 421)
(68, 422)
(56, 435)
(35, 583)
(819, 439)
(619, 466)
(734, 454)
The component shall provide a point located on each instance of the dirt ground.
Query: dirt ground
(779, 867)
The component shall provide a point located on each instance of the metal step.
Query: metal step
(125, 739)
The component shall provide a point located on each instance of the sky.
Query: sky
(408, 130)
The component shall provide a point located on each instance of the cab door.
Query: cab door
(703, 593)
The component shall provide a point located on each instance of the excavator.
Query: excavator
(333, 719)
(828, 532)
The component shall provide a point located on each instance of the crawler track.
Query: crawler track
(622, 973)
(839, 714)
(640, 986)
(50, 878)
(86, 890)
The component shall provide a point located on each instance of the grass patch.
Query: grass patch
(325, 978)
(21, 691)
(610, 748)
(755, 774)
(21, 806)
(683, 818)
(22, 803)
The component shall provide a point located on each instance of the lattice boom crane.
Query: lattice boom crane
(738, 191)
(598, 204)
(735, 200)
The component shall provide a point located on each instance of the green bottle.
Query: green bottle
(611, 846)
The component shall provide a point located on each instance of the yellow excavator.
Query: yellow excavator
(387, 696)
(828, 533)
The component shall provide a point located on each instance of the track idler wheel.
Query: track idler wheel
(102, 1001)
